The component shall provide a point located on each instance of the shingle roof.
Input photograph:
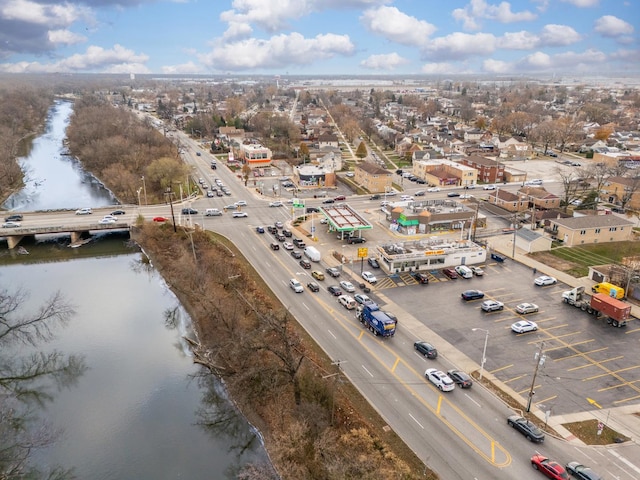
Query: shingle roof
(592, 221)
(373, 169)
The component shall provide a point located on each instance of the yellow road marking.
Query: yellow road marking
(501, 368)
(595, 364)
(581, 354)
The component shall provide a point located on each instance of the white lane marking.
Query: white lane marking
(331, 333)
(467, 395)
(624, 460)
(365, 369)
(414, 419)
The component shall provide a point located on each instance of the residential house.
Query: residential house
(509, 201)
(489, 171)
(539, 198)
(328, 140)
(591, 229)
(372, 177)
(622, 191)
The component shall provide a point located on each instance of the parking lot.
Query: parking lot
(585, 362)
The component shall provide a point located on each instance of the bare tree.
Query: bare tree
(573, 186)
(544, 134)
(27, 380)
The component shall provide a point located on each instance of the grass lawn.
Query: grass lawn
(577, 260)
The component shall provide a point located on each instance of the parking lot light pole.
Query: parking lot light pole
(484, 350)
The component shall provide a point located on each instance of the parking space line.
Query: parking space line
(558, 326)
(632, 331)
(626, 399)
(528, 389)
(548, 399)
(514, 378)
(613, 372)
(593, 364)
(569, 345)
(581, 354)
(501, 368)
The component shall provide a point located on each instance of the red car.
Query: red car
(340, 198)
(159, 219)
(550, 468)
(450, 272)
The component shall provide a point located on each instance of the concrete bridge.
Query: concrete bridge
(15, 235)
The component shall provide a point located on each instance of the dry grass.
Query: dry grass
(587, 431)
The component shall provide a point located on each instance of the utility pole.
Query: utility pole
(173, 217)
(540, 358)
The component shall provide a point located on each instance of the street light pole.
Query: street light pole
(540, 358)
(484, 350)
(144, 187)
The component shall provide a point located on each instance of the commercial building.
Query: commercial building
(427, 255)
(373, 178)
(445, 173)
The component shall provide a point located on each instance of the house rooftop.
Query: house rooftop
(592, 221)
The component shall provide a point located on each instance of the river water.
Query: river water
(138, 411)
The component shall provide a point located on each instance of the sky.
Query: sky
(321, 37)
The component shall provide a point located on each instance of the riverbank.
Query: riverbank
(282, 382)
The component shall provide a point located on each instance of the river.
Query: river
(139, 410)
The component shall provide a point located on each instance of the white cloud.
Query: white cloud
(610, 26)
(461, 45)
(496, 66)
(397, 26)
(442, 68)
(558, 36)
(236, 31)
(56, 15)
(387, 61)
(96, 59)
(277, 52)
(188, 67)
(477, 10)
(65, 37)
(583, 3)
(275, 15)
(567, 61)
(519, 40)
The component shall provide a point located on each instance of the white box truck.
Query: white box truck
(312, 254)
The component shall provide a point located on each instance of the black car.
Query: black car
(287, 233)
(297, 254)
(16, 217)
(453, 194)
(373, 262)
(260, 229)
(189, 211)
(328, 200)
(460, 378)
(352, 240)
(313, 210)
(305, 264)
(280, 237)
(313, 286)
(582, 472)
(299, 243)
(426, 349)
(274, 246)
(334, 290)
(115, 212)
(525, 427)
(420, 277)
(272, 229)
(374, 197)
(333, 272)
(472, 294)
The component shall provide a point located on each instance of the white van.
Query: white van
(212, 212)
(347, 302)
(464, 271)
(312, 253)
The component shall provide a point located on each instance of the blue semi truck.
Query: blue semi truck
(379, 322)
